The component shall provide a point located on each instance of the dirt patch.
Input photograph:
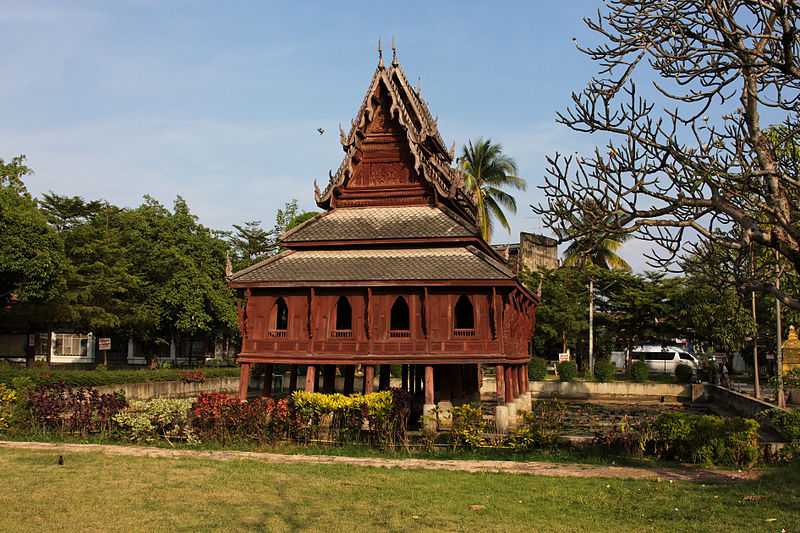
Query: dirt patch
(536, 468)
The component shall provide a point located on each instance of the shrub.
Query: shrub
(537, 369)
(786, 423)
(66, 410)
(192, 376)
(706, 439)
(604, 371)
(385, 414)
(146, 421)
(8, 398)
(541, 427)
(627, 435)
(468, 427)
(639, 371)
(224, 418)
(684, 373)
(567, 371)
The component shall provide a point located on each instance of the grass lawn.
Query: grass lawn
(107, 493)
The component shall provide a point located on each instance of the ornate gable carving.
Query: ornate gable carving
(394, 144)
(384, 158)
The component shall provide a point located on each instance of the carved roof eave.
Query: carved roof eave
(434, 167)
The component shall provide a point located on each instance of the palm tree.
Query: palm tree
(601, 253)
(488, 170)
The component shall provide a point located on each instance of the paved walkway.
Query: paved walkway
(537, 468)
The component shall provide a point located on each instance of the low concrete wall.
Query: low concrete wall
(740, 404)
(615, 390)
(172, 389)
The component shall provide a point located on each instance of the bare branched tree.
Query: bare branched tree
(694, 165)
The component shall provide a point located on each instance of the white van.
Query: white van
(664, 359)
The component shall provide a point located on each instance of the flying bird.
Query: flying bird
(321, 131)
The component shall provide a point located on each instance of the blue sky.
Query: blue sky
(220, 102)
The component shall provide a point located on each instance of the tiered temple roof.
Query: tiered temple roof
(395, 211)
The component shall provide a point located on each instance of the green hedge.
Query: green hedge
(537, 369)
(639, 372)
(605, 371)
(97, 378)
(567, 371)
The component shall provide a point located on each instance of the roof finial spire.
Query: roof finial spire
(380, 54)
(394, 53)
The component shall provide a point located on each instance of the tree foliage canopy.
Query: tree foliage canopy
(31, 254)
(691, 161)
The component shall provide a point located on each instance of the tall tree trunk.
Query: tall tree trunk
(779, 333)
(756, 382)
(591, 326)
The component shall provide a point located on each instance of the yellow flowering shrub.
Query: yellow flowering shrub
(7, 399)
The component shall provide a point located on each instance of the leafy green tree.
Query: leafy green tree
(182, 267)
(249, 243)
(488, 170)
(290, 216)
(560, 316)
(31, 253)
(99, 275)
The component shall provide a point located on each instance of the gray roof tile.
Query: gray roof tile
(432, 264)
(360, 223)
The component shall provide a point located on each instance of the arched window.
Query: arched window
(281, 315)
(344, 315)
(279, 318)
(399, 322)
(463, 317)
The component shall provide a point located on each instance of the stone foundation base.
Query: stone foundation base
(512, 413)
(429, 417)
(501, 418)
(445, 414)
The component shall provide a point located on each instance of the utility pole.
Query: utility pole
(779, 331)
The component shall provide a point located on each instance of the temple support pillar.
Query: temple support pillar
(428, 417)
(404, 373)
(501, 411)
(311, 378)
(349, 379)
(267, 390)
(328, 379)
(509, 390)
(293, 378)
(384, 381)
(369, 379)
(244, 380)
(524, 387)
(449, 384)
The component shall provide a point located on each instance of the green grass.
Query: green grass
(94, 378)
(96, 492)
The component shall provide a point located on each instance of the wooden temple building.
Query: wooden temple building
(393, 272)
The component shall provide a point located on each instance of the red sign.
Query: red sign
(104, 343)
